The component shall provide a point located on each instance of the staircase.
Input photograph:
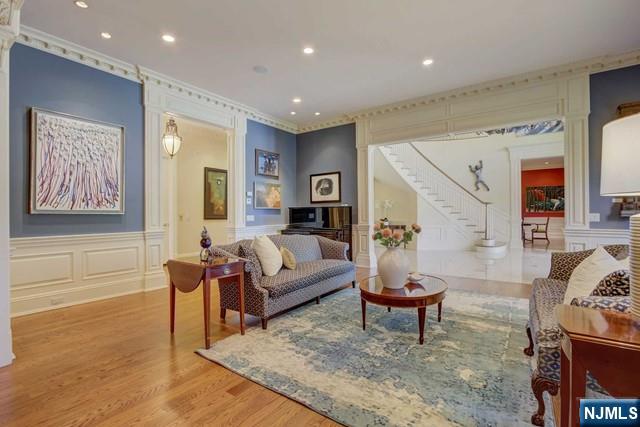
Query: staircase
(483, 224)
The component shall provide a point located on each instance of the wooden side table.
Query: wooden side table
(605, 343)
(187, 274)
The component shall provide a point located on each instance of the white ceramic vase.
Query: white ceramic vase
(393, 268)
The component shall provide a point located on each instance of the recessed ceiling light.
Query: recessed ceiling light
(308, 50)
(427, 62)
(168, 38)
(317, 113)
(105, 35)
(293, 113)
(297, 100)
(81, 4)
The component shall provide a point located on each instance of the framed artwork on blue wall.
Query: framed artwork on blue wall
(325, 187)
(267, 163)
(77, 165)
(267, 195)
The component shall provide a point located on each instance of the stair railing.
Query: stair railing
(438, 183)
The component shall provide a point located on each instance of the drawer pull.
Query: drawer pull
(226, 270)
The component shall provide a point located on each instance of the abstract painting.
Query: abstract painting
(267, 195)
(325, 187)
(267, 163)
(215, 193)
(77, 165)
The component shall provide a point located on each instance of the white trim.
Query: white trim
(577, 240)
(516, 155)
(74, 52)
(79, 268)
(9, 30)
(241, 233)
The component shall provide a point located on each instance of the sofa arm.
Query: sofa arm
(332, 249)
(620, 304)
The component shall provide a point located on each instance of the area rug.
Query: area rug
(470, 370)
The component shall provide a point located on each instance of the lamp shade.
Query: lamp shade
(620, 171)
(171, 141)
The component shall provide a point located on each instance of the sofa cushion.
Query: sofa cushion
(615, 284)
(268, 254)
(306, 274)
(586, 276)
(619, 304)
(304, 248)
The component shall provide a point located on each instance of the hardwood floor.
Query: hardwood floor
(114, 362)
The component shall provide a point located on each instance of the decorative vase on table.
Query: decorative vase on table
(393, 264)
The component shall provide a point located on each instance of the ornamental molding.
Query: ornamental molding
(589, 66)
(74, 52)
(60, 47)
(8, 10)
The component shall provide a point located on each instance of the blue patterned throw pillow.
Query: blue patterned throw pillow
(614, 284)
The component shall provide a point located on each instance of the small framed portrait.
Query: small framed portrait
(267, 195)
(325, 187)
(267, 163)
(215, 193)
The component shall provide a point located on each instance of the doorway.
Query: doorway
(199, 178)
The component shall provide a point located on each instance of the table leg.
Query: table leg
(422, 312)
(364, 312)
(565, 388)
(389, 309)
(578, 382)
(172, 307)
(206, 298)
(439, 311)
(241, 294)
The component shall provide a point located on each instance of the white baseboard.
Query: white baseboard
(50, 272)
(581, 239)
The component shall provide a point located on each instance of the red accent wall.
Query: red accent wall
(541, 177)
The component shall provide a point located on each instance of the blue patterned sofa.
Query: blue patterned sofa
(543, 331)
(322, 266)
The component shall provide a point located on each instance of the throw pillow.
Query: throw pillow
(615, 284)
(589, 273)
(288, 258)
(268, 254)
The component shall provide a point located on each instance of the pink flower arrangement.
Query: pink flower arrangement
(393, 238)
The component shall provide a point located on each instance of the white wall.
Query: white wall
(203, 146)
(454, 158)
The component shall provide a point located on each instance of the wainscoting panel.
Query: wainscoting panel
(578, 240)
(56, 271)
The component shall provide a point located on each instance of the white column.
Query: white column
(236, 151)
(364, 254)
(154, 197)
(9, 29)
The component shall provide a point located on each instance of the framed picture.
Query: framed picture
(325, 187)
(267, 195)
(545, 199)
(267, 163)
(215, 193)
(77, 165)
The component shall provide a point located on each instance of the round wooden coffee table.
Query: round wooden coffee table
(429, 291)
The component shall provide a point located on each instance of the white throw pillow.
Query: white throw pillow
(268, 254)
(590, 272)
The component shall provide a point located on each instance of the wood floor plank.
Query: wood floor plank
(114, 362)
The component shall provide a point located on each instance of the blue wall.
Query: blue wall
(329, 150)
(271, 139)
(608, 90)
(42, 80)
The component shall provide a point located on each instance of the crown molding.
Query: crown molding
(74, 52)
(149, 76)
(589, 66)
(57, 46)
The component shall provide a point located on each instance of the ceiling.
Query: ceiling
(366, 53)
(543, 163)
